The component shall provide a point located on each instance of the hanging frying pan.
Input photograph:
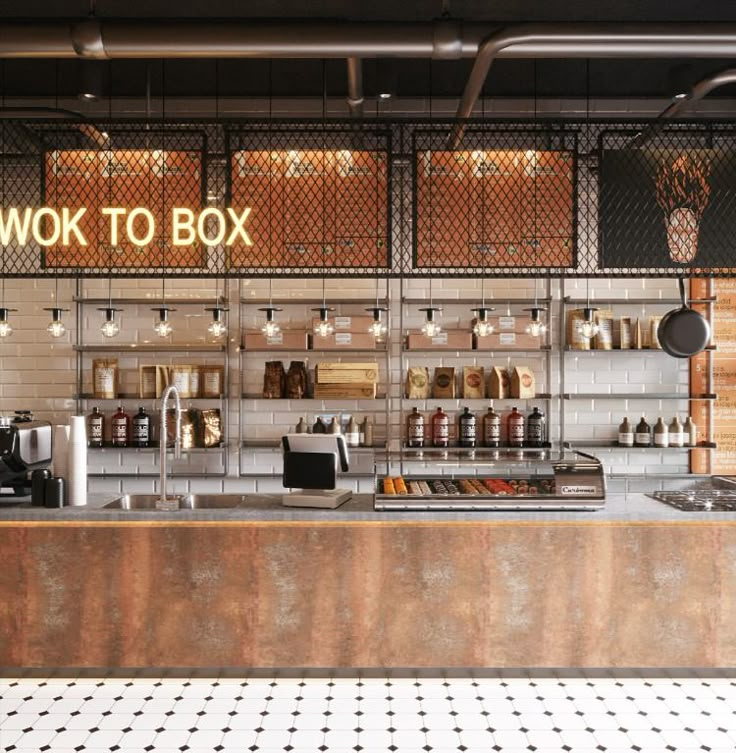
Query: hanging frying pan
(683, 332)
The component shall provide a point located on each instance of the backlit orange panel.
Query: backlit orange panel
(501, 208)
(312, 208)
(153, 179)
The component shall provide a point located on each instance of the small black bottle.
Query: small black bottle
(95, 428)
(536, 429)
(468, 429)
(141, 429)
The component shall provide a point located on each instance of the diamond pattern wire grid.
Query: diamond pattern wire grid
(319, 196)
(515, 199)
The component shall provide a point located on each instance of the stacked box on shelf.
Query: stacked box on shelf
(345, 380)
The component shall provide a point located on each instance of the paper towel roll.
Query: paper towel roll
(77, 483)
(60, 451)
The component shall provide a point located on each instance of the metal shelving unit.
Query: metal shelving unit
(404, 454)
(379, 405)
(83, 398)
(593, 444)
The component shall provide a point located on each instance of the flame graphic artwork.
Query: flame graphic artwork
(683, 192)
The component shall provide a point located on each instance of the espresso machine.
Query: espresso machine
(25, 446)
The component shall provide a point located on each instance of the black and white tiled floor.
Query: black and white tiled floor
(409, 715)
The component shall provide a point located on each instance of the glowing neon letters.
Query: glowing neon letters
(48, 226)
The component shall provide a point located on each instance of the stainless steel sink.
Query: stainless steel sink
(186, 501)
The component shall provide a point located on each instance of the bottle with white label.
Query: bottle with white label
(516, 425)
(643, 434)
(677, 438)
(690, 430)
(536, 429)
(352, 435)
(141, 429)
(120, 428)
(661, 434)
(492, 428)
(415, 429)
(467, 429)
(626, 433)
(440, 429)
(95, 428)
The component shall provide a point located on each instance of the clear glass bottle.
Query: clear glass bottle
(491, 428)
(626, 433)
(676, 436)
(515, 426)
(661, 434)
(643, 434)
(415, 429)
(95, 428)
(536, 429)
(141, 429)
(440, 429)
(468, 429)
(120, 428)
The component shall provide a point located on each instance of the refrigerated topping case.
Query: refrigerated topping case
(486, 479)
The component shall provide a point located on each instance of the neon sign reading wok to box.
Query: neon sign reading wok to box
(49, 226)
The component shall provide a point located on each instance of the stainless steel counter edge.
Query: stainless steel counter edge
(623, 508)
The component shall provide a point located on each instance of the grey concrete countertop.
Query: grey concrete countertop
(619, 508)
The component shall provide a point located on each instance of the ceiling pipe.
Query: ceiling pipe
(591, 40)
(699, 91)
(355, 87)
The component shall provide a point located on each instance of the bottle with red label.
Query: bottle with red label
(120, 428)
(515, 425)
(440, 429)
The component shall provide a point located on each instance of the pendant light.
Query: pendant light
(217, 328)
(110, 327)
(5, 327)
(56, 327)
(431, 327)
(270, 327)
(162, 325)
(482, 327)
(535, 326)
(587, 327)
(324, 327)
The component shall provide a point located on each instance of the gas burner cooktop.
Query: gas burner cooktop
(699, 500)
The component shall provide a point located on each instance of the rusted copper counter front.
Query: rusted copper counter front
(367, 594)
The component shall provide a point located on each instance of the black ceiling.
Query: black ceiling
(196, 78)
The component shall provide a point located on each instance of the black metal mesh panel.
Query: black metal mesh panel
(319, 197)
(503, 200)
(346, 199)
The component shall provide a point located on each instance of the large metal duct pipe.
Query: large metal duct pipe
(594, 41)
(701, 90)
(355, 87)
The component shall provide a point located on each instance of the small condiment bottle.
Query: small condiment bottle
(334, 427)
(661, 434)
(626, 433)
(319, 426)
(515, 424)
(676, 436)
(492, 428)
(120, 428)
(467, 429)
(690, 430)
(643, 434)
(440, 429)
(352, 435)
(95, 428)
(415, 429)
(301, 427)
(141, 429)
(366, 432)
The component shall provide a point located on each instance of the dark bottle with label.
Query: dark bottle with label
(467, 429)
(440, 429)
(141, 429)
(120, 428)
(415, 429)
(515, 425)
(492, 428)
(95, 428)
(536, 429)
(643, 434)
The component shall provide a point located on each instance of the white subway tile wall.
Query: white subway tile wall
(39, 373)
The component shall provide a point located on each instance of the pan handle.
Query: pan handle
(681, 281)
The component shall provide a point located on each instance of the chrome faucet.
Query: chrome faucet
(163, 502)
